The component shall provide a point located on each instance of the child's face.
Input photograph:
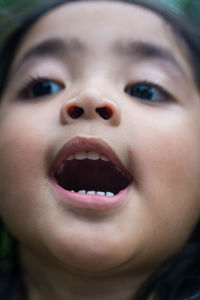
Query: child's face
(105, 48)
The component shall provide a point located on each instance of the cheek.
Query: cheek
(22, 147)
(165, 149)
(165, 158)
(171, 179)
(171, 157)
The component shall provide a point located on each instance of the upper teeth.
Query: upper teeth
(87, 155)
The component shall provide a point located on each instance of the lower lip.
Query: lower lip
(91, 202)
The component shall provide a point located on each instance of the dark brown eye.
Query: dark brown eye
(147, 92)
(41, 88)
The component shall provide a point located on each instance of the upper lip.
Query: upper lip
(83, 144)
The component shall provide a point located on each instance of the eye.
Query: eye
(148, 92)
(40, 87)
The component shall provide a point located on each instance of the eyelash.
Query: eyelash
(133, 90)
(27, 89)
(163, 95)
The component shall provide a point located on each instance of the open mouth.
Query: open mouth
(92, 172)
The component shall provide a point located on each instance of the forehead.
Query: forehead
(100, 24)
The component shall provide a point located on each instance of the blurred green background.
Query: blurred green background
(174, 4)
(190, 8)
(178, 6)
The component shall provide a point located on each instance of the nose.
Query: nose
(90, 104)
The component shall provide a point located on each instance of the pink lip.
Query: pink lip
(82, 144)
(93, 202)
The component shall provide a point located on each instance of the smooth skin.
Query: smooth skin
(70, 253)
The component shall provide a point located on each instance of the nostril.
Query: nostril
(104, 112)
(75, 112)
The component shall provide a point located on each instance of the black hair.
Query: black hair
(179, 277)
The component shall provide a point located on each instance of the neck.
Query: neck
(48, 281)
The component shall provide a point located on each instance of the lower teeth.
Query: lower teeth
(107, 194)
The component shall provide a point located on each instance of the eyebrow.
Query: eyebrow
(54, 47)
(141, 50)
